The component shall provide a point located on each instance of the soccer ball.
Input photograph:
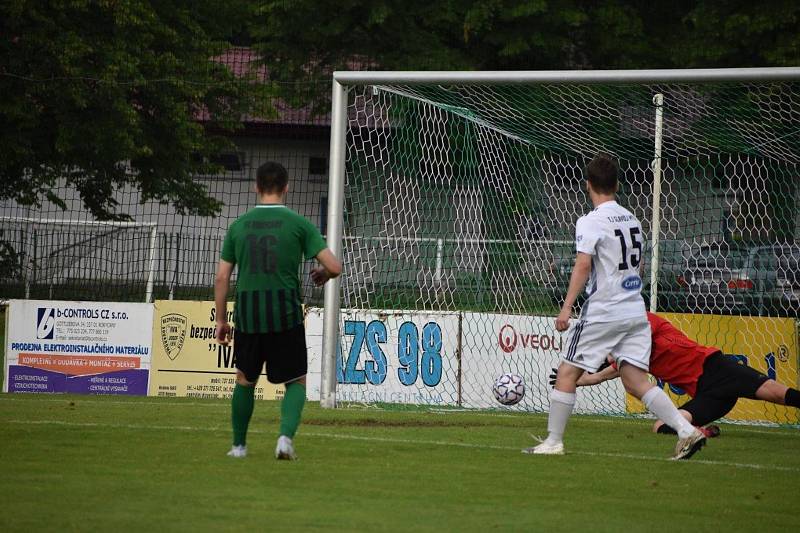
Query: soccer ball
(509, 389)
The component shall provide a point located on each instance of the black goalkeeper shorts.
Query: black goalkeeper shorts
(724, 380)
(284, 353)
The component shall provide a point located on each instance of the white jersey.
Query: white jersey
(612, 235)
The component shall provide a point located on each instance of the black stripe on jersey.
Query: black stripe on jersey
(292, 306)
(282, 309)
(251, 312)
(243, 305)
(298, 307)
(238, 315)
(270, 311)
(256, 301)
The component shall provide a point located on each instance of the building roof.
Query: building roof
(243, 61)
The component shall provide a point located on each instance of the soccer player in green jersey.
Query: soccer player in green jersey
(268, 244)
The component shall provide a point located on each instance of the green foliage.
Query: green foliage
(10, 260)
(107, 94)
(511, 35)
(740, 33)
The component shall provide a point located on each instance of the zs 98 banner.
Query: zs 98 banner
(392, 357)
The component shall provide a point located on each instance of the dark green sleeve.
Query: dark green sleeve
(314, 243)
(228, 247)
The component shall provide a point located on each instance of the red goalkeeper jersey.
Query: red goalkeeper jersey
(676, 358)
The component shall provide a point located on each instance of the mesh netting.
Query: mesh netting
(59, 250)
(460, 209)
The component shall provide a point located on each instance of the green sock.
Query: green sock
(292, 408)
(241, 411)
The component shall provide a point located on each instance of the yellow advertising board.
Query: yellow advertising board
(769, 345)
(187, 361)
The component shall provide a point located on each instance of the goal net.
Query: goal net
(460, 197)
(50, 258)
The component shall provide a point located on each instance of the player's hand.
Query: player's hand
(553, 377)
(319, 276)
(223, 333)
(562, 320)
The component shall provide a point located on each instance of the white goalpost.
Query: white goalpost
(55, 251)
(452, 201)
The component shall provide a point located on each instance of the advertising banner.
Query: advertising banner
(78, 347)
(392, 356)
(187, 361)
(314, 345)
(769, 345)
(493, 344)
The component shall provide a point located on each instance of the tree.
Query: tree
(106, 94)
(449, 34)
(739, 33)
(531, 35)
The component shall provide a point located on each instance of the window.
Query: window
(323, 215)
(231, 161)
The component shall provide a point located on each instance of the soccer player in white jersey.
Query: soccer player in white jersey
(613, 320)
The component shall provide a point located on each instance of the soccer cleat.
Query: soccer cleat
(284, 449)
(545, 448)
(689, 446)
(238, 451)
(710, 431)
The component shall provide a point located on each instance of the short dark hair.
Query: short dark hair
(602, 174)
(271, 177)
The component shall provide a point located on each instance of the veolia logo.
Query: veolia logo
(507, 338)
(632, 283)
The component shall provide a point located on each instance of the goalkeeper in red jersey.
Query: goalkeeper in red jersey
(714, 381)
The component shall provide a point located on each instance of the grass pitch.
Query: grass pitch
(79, 463)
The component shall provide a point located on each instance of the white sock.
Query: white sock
(561, 404)
(658, 403)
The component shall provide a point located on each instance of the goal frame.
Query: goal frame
(344, 80)
(152, 227)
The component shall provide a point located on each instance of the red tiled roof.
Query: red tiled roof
(241, 61)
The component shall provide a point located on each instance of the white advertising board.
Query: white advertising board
(530, 346)
(383, 349)
(78, 347)
(391, 356)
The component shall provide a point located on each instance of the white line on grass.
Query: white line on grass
(609, 419)
(752, 466)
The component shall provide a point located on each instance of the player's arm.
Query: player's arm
(221, 282)
(329, 267)
(606, 374)
(577, 282)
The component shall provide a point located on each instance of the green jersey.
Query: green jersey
(268, 243)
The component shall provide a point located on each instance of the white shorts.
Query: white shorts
(589, 343)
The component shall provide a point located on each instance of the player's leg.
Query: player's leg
(562, 400)
(700, 411)
(660, 427)
(657, 402)
(633, 357)
(774, 392)
(291, 412)
(690, 439)
(287, 363)
(248, 367)
(736, 380)
(586, 346)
